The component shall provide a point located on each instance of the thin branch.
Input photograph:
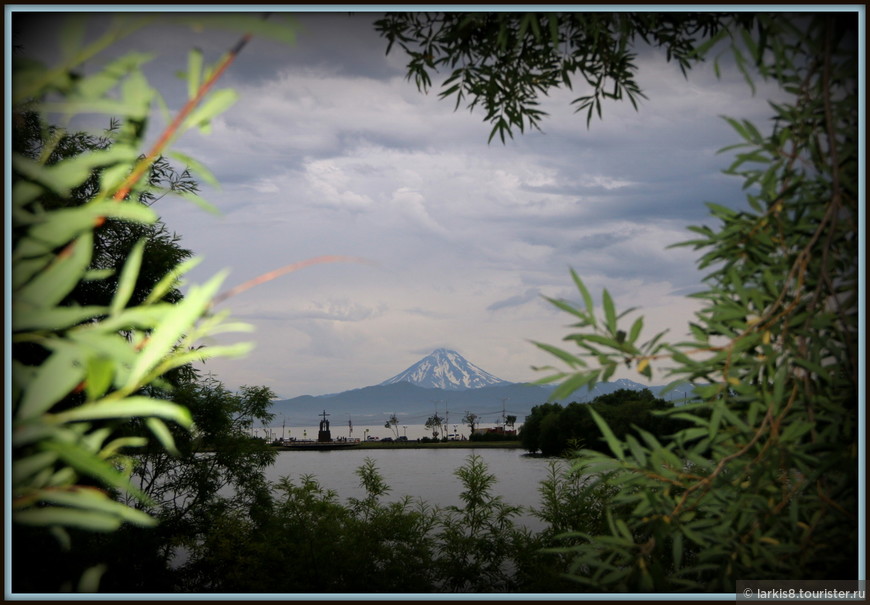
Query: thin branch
(265, 277)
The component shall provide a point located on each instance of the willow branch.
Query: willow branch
(265, 277)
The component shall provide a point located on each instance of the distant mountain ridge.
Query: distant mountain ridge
(446, 369)
(412, 402)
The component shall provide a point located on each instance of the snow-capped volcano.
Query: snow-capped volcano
(445, 369)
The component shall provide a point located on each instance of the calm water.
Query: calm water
(420, 473)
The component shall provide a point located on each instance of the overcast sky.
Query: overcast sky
(330, 151)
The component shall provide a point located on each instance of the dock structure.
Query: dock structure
(316, 445)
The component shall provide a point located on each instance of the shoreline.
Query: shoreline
(398, 445)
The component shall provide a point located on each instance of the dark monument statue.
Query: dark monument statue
(323, 435)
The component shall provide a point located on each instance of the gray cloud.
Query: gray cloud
(515, 301)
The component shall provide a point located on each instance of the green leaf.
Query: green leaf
(636, 449)
(26, 467)
(61, 226)
(68, 517)
(568, 308)
(90, 580)
(702, 49)
(89, 464)
(821, 373)
(721, 211)
(142, 317)
(553, 20)
(130, 407)
(219, 102)
(636, 328)
(97, 501)
(587, 298)
(779, 385)
(32, 431)
(112, 448)
(53, 381)
(612, 442)
(159, 429)
(24, 192)
(623, 529)
(571, 360)
(52, 318)
(98, 275)
(604, 341)
(196, 167)
(97, 85)
(795, 430)
(238, 349)
(62, 536)
(182, 318)
(194, 71)
(609, 312)
(576, 382)
(168, 281)
(99, 374)
(129, 275)
(716, 418)
(49, 287)
(137, 94)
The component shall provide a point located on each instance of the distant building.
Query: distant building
(499, 430)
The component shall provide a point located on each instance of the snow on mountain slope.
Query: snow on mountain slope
(445, 369)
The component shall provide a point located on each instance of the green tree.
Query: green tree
(306, 541)
(218, 456)
(434, 424)
(392, 423)
(478, 541)
(550, 439)
(503, 62)
(471, 419)
(531, 430)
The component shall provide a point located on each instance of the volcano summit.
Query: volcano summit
(446, 369)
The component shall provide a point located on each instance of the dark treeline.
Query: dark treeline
(553, 429)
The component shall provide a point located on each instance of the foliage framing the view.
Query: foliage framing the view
(86, 368)
(764, 482)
